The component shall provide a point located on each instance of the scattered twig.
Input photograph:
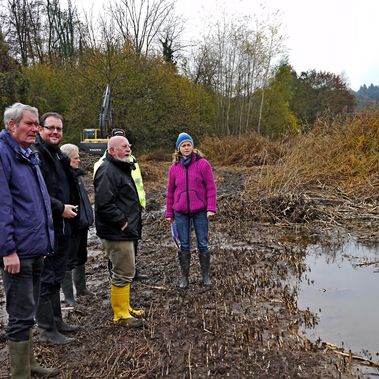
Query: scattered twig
(335, 349)
(367, 263)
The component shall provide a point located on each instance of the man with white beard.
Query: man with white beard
(118, 220)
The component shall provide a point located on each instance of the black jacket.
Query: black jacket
(116, 201)
(60, 183)
(85, 209)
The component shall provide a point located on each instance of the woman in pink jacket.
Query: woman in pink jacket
(191, 198)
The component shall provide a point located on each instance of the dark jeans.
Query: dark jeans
(22, 294)
(200, 223)
(54, 269)
(77, 252)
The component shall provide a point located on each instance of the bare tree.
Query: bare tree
(41, 30)
(170, 38)
(61, 29)
(273, 48)
(235, 60)
(141, 21)
(202, 68)
(18, 29)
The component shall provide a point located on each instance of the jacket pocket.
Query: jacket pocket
(181, 203)
(195, 202)
(198, 201)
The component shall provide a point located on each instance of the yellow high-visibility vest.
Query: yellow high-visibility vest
(136, 175)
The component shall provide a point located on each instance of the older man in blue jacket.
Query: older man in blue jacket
(26, 233)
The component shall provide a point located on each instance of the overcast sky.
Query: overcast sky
(338, 36)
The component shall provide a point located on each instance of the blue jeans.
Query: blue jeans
(22, 294)
(200, 223)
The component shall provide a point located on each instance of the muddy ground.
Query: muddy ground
(246, 326)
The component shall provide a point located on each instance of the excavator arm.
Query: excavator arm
(105, 117)
(95, 141)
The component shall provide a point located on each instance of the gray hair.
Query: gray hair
(70, 149)
(15, 113)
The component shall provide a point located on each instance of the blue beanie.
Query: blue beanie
(183, 137)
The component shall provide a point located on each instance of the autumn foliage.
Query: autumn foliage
(338, 155)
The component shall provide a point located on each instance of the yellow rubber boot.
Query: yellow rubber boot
(136, 312)
(120, 301)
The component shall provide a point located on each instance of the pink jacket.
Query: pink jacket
(191, 189)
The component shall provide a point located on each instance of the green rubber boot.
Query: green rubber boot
(68, 290)
(205, 259)
(184, 263)
(19, 352)
(79, 277)
(35, 367)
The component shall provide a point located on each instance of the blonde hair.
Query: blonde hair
(177, 155)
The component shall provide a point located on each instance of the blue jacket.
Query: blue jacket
(26, 224)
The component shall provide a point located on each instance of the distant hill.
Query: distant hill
(367, 96)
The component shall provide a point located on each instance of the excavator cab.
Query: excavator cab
(90, 134)
(92, 143)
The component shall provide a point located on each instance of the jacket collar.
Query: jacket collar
(32, 158)
(52, 151)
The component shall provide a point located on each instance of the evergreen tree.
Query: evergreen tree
(13, 84)
(317, 93)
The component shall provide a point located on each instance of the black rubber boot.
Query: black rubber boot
(184, 262)
(79, 277)
(57, 311)
(19, 358)
(205, 259)
(47, 328)
(139, 275)
(68, 290)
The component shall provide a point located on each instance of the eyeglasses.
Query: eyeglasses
(52, 128)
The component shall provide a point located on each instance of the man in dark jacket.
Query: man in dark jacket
(26, 233)
(55, 167)
(118, 224)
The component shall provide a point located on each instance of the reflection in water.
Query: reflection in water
(345, 296)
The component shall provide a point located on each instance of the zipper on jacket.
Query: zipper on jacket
(187, 190)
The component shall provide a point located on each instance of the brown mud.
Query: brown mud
(246, 326)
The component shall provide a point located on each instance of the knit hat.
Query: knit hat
(183, 137)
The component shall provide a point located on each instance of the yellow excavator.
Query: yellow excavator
(94, 141)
